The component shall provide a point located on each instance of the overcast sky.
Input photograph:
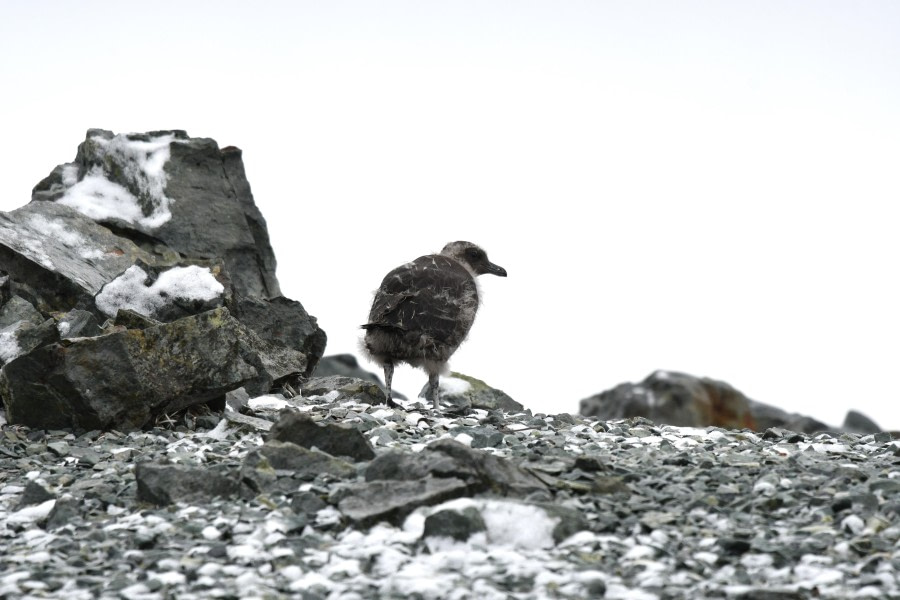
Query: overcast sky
(710, 187)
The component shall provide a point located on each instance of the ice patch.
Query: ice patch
(142, 163)
(128, 289)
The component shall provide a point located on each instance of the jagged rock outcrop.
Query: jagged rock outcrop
(672, 398)
(145, 257)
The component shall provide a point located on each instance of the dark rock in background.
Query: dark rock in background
(856, 422)
(347, 366)
(185, 214)
(679, 399)
(674, 399)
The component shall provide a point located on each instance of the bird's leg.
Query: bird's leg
(433, 391)
(388, 376)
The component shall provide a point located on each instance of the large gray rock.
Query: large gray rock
(124, 379)
(61, 254)
(142, 231)
(193, 198)
(333, 438)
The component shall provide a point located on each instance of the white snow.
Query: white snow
(503, 520)
(268, 402)
(142, 164)
(30, 514)
(454, 385)
(61, 232)
(9, 346)
(128, 289)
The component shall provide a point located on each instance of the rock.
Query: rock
(463, 392)
(124, 379)
(481, 471)
(674, 399)
(347, 366)
(34, 493)
(282, 466)
(458, 525)
(18, 310)
(188, 195)
(772, 417)
(146, 230)
(335, 439)
(347, 387)
(23, 337)
(284, 322)
(163, 484)
(371, 502)
(857, 422)
(62, 254)
(78, 323)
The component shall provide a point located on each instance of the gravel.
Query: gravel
(667, 512)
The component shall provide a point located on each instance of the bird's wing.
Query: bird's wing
(433, 295)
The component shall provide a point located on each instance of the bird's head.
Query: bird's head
(473, 257)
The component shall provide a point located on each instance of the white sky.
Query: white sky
(709, 187)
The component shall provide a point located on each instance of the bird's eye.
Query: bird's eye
(473, 253)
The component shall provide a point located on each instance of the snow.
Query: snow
(60, 231)
(30, 514)
(142, 164)
(268, 402)
(454, 385)
(503, 521)
(128, 289)
(9, 346)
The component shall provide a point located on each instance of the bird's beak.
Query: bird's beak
(495, 270)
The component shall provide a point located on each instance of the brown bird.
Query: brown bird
(423, 311)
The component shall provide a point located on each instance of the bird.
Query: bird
(423, 311)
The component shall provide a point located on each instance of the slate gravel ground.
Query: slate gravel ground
(671, 513)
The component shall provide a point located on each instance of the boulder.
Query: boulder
(674, 399)
(156, 234)
(126, 378)
(174, 195)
